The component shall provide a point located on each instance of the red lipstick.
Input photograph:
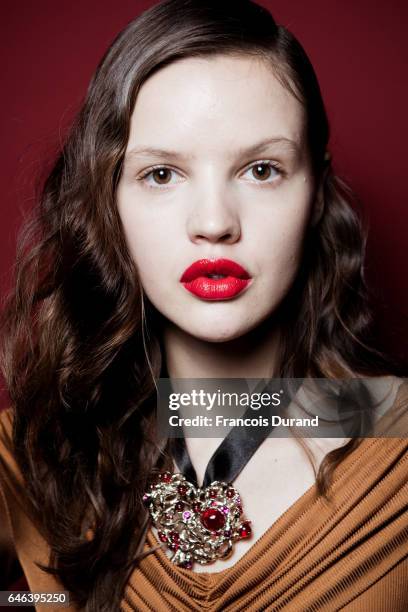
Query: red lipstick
(218, 279)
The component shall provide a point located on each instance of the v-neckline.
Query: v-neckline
(294, 514)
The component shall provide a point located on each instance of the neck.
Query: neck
(254, 355)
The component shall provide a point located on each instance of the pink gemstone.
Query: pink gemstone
(186, 515)
(212, 519)
(225, 509)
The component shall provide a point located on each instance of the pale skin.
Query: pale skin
(209, 202)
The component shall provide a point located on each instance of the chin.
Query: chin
(216, 332)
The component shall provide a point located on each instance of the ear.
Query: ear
(318, 206)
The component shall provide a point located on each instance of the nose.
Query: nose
(213, 217)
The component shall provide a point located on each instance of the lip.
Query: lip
(196, 279)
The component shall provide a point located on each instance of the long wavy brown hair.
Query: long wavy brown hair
(81, 347)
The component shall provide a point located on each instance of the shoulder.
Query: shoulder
(17, 528)
(7, 459)
(11, 478)
(387, 389)
(390, 394)
(6, 423)
(9, 470)
(402, 389)
(12, 488)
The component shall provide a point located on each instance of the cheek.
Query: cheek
(277, 237)
(286, 247)
(154, 253)
(148, 253)
(278, 248)
(147, 236)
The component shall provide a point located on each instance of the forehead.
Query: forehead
(214, 104)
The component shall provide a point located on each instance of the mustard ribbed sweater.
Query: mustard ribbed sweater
(351, 554)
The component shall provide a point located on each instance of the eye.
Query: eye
(159, 176)
(264, 171)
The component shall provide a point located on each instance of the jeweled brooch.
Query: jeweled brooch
(197, 524)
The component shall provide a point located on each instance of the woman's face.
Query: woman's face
(216, 168)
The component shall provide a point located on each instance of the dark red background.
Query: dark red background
(360, 53)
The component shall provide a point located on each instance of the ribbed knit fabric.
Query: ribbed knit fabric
(315, 557)
(350, 554)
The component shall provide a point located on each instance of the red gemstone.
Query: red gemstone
(186, 564)
(174, 536)
(196, 506)
(179, 506)
(230, 493)
(162, 536)
(182, 489)
(245, 529)
(212, 519)
(166, 477)
(174, 546)
(213, 493)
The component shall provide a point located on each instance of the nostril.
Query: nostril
(209, 232)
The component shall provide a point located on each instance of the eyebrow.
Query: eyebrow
(259, 147)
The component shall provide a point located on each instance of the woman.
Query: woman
(200, 153)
